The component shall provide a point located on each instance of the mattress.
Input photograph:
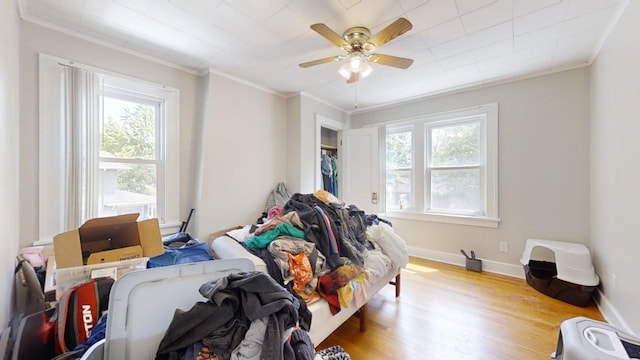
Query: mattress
(323, 323)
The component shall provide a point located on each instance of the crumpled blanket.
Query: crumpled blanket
(329, 284)
(391, 243)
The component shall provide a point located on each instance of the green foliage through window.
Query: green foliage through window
(131, 135)
(456, 145)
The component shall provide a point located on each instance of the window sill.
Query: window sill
(165, 229)
(449, 219)
(171, 228)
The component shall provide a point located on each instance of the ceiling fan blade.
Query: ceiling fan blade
(331, 35)
(389, 60)
(321, 61)
(389, 33)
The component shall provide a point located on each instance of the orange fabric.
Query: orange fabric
(300, 269)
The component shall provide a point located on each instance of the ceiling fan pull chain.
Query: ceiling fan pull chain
(355, 105)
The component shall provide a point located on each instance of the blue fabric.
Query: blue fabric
(181, 237)
(325, 164)
(182, 255)
(97, 333)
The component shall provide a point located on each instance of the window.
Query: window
(450, 174)
(454, 167)
(108, 146)
(399, 174)
(129, 160)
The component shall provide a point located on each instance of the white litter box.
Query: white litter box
(585, 339)
(570, 277)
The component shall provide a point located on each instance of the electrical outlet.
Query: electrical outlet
(504, 246)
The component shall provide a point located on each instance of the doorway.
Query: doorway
(327, 149)
(329, 160)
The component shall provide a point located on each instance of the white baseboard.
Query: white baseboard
(455, 259)
(611, 315)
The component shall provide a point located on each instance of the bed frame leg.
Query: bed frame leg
(396, 283)
(363, 318)
(362, 313)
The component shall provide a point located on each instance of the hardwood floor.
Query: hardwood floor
(447, 312)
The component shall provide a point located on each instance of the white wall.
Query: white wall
(244, 153)
(9, 134)
(294, 144)
(36, 39)
(543, 168)
(615, 175)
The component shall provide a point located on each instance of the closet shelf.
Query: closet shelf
(328, 147)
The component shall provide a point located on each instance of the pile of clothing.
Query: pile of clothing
(246, 315)
(317, 247)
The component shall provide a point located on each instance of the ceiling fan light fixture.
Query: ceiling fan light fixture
(362, 71)
(345, 71)
(366, 70)
(355, 62)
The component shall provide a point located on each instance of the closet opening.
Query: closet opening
(329, 160)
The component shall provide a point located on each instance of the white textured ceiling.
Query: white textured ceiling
(454, 43)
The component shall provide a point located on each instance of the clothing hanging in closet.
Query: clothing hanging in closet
(329, 169)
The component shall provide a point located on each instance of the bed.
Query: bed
(382, 266)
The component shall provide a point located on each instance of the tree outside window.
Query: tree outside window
(128, 180)
(455, 163)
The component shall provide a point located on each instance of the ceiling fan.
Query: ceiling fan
(358, 43)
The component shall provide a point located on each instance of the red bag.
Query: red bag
(79, 309)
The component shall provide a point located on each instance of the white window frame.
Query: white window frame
(488, 113)
(51, 157)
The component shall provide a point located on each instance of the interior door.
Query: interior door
(360, 166)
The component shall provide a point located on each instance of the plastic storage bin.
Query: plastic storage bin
(570, 278)
(585, 339)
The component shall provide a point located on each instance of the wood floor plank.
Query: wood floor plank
(447, 312)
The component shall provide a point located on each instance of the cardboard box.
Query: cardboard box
(108, 239)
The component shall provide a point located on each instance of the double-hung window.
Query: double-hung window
(443, 167)
(108, 146)
(130, 158)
